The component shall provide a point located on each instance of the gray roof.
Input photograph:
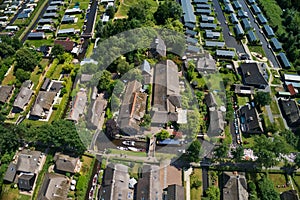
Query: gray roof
(23, 98)
(269, 31)
(66, 31)
(52, 8)
(86, 78)
(239, 30)
(45, 84)
(192, 48)
(210, 100)
(115, 182)
(68, 19)
(237, 5)
(275, 44)
(290, 111)
(229, 8)
(50, 15)
(28, 161)
(10, 173)
(252, 75)
(216, 123)
(65, 163)
(190, 32)
(205, 18)
(78, 107)
(261, 18)
(251, 36)
(188, 11)
(98, 110)
(43, 103)
(284, 60)
(246, 24)
(212, 34)
(214, 44)
(205, 6)
(54, 187)
(234, 186)
(256, 9)
(225, 53)
(175, 192)
(191, 40)
(250, 120)
(203, 11)
(208, 25)
(148, 186)
(39, 35)
(5, 92)
(159, 46)
(206, 64)
(242, 14)
(145, 67)
(26, 181)
(233, 18)
(201, 1)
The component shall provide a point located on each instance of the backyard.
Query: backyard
(126, 4)
(196, 193)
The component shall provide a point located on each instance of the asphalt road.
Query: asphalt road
(205, 184)
(269, 53)
(230, 41)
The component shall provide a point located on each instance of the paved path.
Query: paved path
(186, 178)
(270, 114)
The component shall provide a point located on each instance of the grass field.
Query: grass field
(9, 193)
(196, 193)
(10, 78)
(35, 77)
(257, 49)
(38, 43)
(279, 179)
(126, 4)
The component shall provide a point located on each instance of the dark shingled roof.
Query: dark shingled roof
(28, 161)
(284, 60)
(252, 76)
(159, 46)
(234, 186)
(10, 173)
(5, 93)
(249, 120)
(289, 195)
(210, 100)
(43, 103)
(26, 181)
(148, 186)
(216, 123)
(290, 111)
(45, 84)
(23, 98)
(67, 44)
(54, 187)
(65, 163)
(175, 192)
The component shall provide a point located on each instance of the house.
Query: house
(229, 8)
(216, 123)
(78, 106)
(23, 15)
(208, 25)
(225, 54)
(36, 36)
(251, 36)
(261, 19)
(206, 64)
(250, 122)
(192, 49)
(214, 43)
(56, 3)
(212, 35)
(188, 11)
(208, 19)
(290, 112)
(252, 75)
(84, 78)
(68, 45)
(158, 48)
(43, 104)
(203, 11)
(67, 31)
(190, 25)
(203, 6)
(29, 161)
(276, 45)
(6, 92)
(45, 85)
(174, 192)
(45, 21)
(242, 14)
(289, 195)
(115, 183)
(251, 2)
(98, 111)
(26, 181)
(190, 33)
(88, 61)
(236, 5)
(45, 28)
(54, 187)
(268, 31)
(73, 11)
(67, 19)
(12, 28)
(10, 173)
(66, 164)
(105, 18)
(243, 90)
(192, 41)
(255, 9)
(234, 18)
(22, 99)
(52, 9)
(146, 72)
(133, 108)
(246, 24)
(201, 1)
(50, 15)
(238, 30)
(148, 186)
(234, 186)
(283, 60)
(291, 77)
(166, 94)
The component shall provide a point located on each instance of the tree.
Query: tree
(110, 11)
(267, 190)
(195, 182)
(139, 11)
(67, 67)
(194, 150)
(57, 50)
(118, 87)
(221, 152)
(123, 66)
(168, 10)
(26, 59)
(162, 135)
(262, 98)
(105, 81)
(212, 193)
(22, 75)
(238, 153)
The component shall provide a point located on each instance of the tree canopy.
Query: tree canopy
(267, 190)
(168, 10)
(194, 150)
(262, 98)
(27, 59)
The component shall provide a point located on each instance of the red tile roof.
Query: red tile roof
(291, 89)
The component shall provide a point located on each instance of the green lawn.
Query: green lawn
(35, 76)
(10, 78)
(279, 179)
(126, 4)
(196, 193)
(129, 153)
(38, 43)
(257, 49)
(274, 108)
(9, 193)
(242, 100)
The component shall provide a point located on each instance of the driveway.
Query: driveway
(230, 41)
(269, 53)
